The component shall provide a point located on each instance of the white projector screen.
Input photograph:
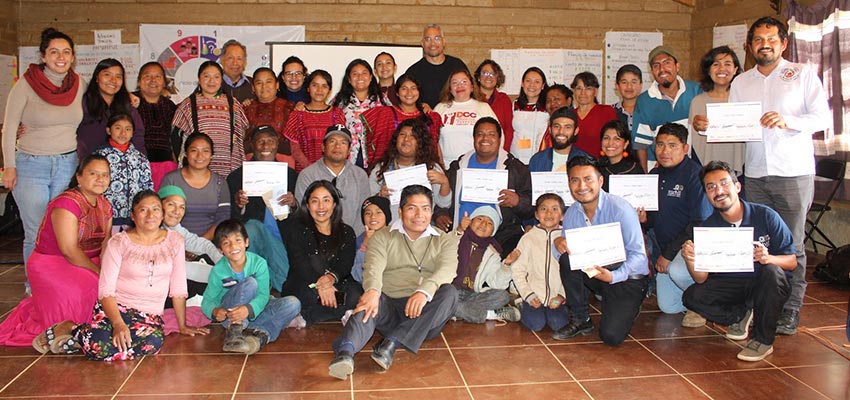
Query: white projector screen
(335, 56)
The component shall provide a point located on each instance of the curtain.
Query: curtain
(820, 36)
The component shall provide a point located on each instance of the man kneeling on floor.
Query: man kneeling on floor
(737, 299)
(407, 279)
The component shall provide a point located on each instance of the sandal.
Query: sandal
(50, 338)
(64, 344)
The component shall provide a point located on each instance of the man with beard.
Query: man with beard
(780, 168)
(563, 131)
(432, 71)
(739, 298)
(668, 99)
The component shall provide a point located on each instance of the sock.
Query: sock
(491, 315)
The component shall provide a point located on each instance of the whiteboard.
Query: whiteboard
(335, 56)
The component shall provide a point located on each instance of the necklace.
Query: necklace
(421, 260)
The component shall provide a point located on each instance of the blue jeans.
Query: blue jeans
(39, 180)
(672, 285)
(266, 245)
(274, 318)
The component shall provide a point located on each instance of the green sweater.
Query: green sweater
(254, 265)
(392, 269)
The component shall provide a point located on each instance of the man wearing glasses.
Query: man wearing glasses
(738, 299)
(434, 68)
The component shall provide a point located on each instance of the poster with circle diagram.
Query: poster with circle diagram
(181, 49)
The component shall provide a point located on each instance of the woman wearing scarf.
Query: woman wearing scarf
(47, 106)
(482, 278)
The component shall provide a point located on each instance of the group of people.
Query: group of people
(160, 186)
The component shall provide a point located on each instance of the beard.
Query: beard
(668, 84)
(560, 146)
(765, 59)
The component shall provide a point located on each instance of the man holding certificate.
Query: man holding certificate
(739, 298)
(780, 169)
(681, 203)
(622, 284)
(489, 176)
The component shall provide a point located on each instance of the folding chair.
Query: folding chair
(833, 170)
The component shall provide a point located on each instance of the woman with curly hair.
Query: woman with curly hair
(411, 145)
(490, 78)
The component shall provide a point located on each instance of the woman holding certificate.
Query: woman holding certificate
(719, 67)
(411, 145)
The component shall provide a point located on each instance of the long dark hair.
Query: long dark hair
(82, 167)
(426, 152)
(346, 90)
(317, 73)
(336, 215)
(192, 138)
(522, 100)
(95, 103)
(423, 116)
(708, 59)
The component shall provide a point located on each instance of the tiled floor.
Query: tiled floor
(660, 360)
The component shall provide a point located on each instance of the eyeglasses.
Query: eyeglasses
(488, 74)
(429, 39)
(293, 73)
(150, 274)
(711, 187)
(460, 82)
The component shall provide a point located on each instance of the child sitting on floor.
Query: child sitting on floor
(536, 272)
(130, 171)
(237, 294)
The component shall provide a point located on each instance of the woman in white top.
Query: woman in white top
(530, 117)
(719, 67)
(460, 109)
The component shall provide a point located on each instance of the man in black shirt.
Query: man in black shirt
(434, 68)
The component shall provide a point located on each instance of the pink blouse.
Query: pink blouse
(141, 277)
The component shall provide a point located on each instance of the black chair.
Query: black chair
(833, 170)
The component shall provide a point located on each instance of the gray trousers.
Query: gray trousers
(391, 321)
(473, 306)
(791, 197)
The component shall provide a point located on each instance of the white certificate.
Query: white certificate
(259, 177)
(734, 122)
(550, 182)
(638, 190)
(723, 249)
(483, 185)
(270, 198)
(401, 178)
(596, 245)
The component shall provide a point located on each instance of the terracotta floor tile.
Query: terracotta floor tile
(830, 380)
(462, 334)
(6, 351)
(506, 365)
(660, 325)
(818, 315)
(12, 275)
(828, 292)
(428, 368)
(559, 390)
(10, 367)
(180, 374)
(12, 292)
(802, 349)
(318, 337)
(751, 385)
(211, 396)
(674, 387)
(416, 394)
(180, 344)
(70, 375)
(289, 373)
(295, 396)
(701, 354)
(650, 304)
(598, 360)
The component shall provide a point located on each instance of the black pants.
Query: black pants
(620, 301)
(725, 300)
(311, 306)
(391, 321)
